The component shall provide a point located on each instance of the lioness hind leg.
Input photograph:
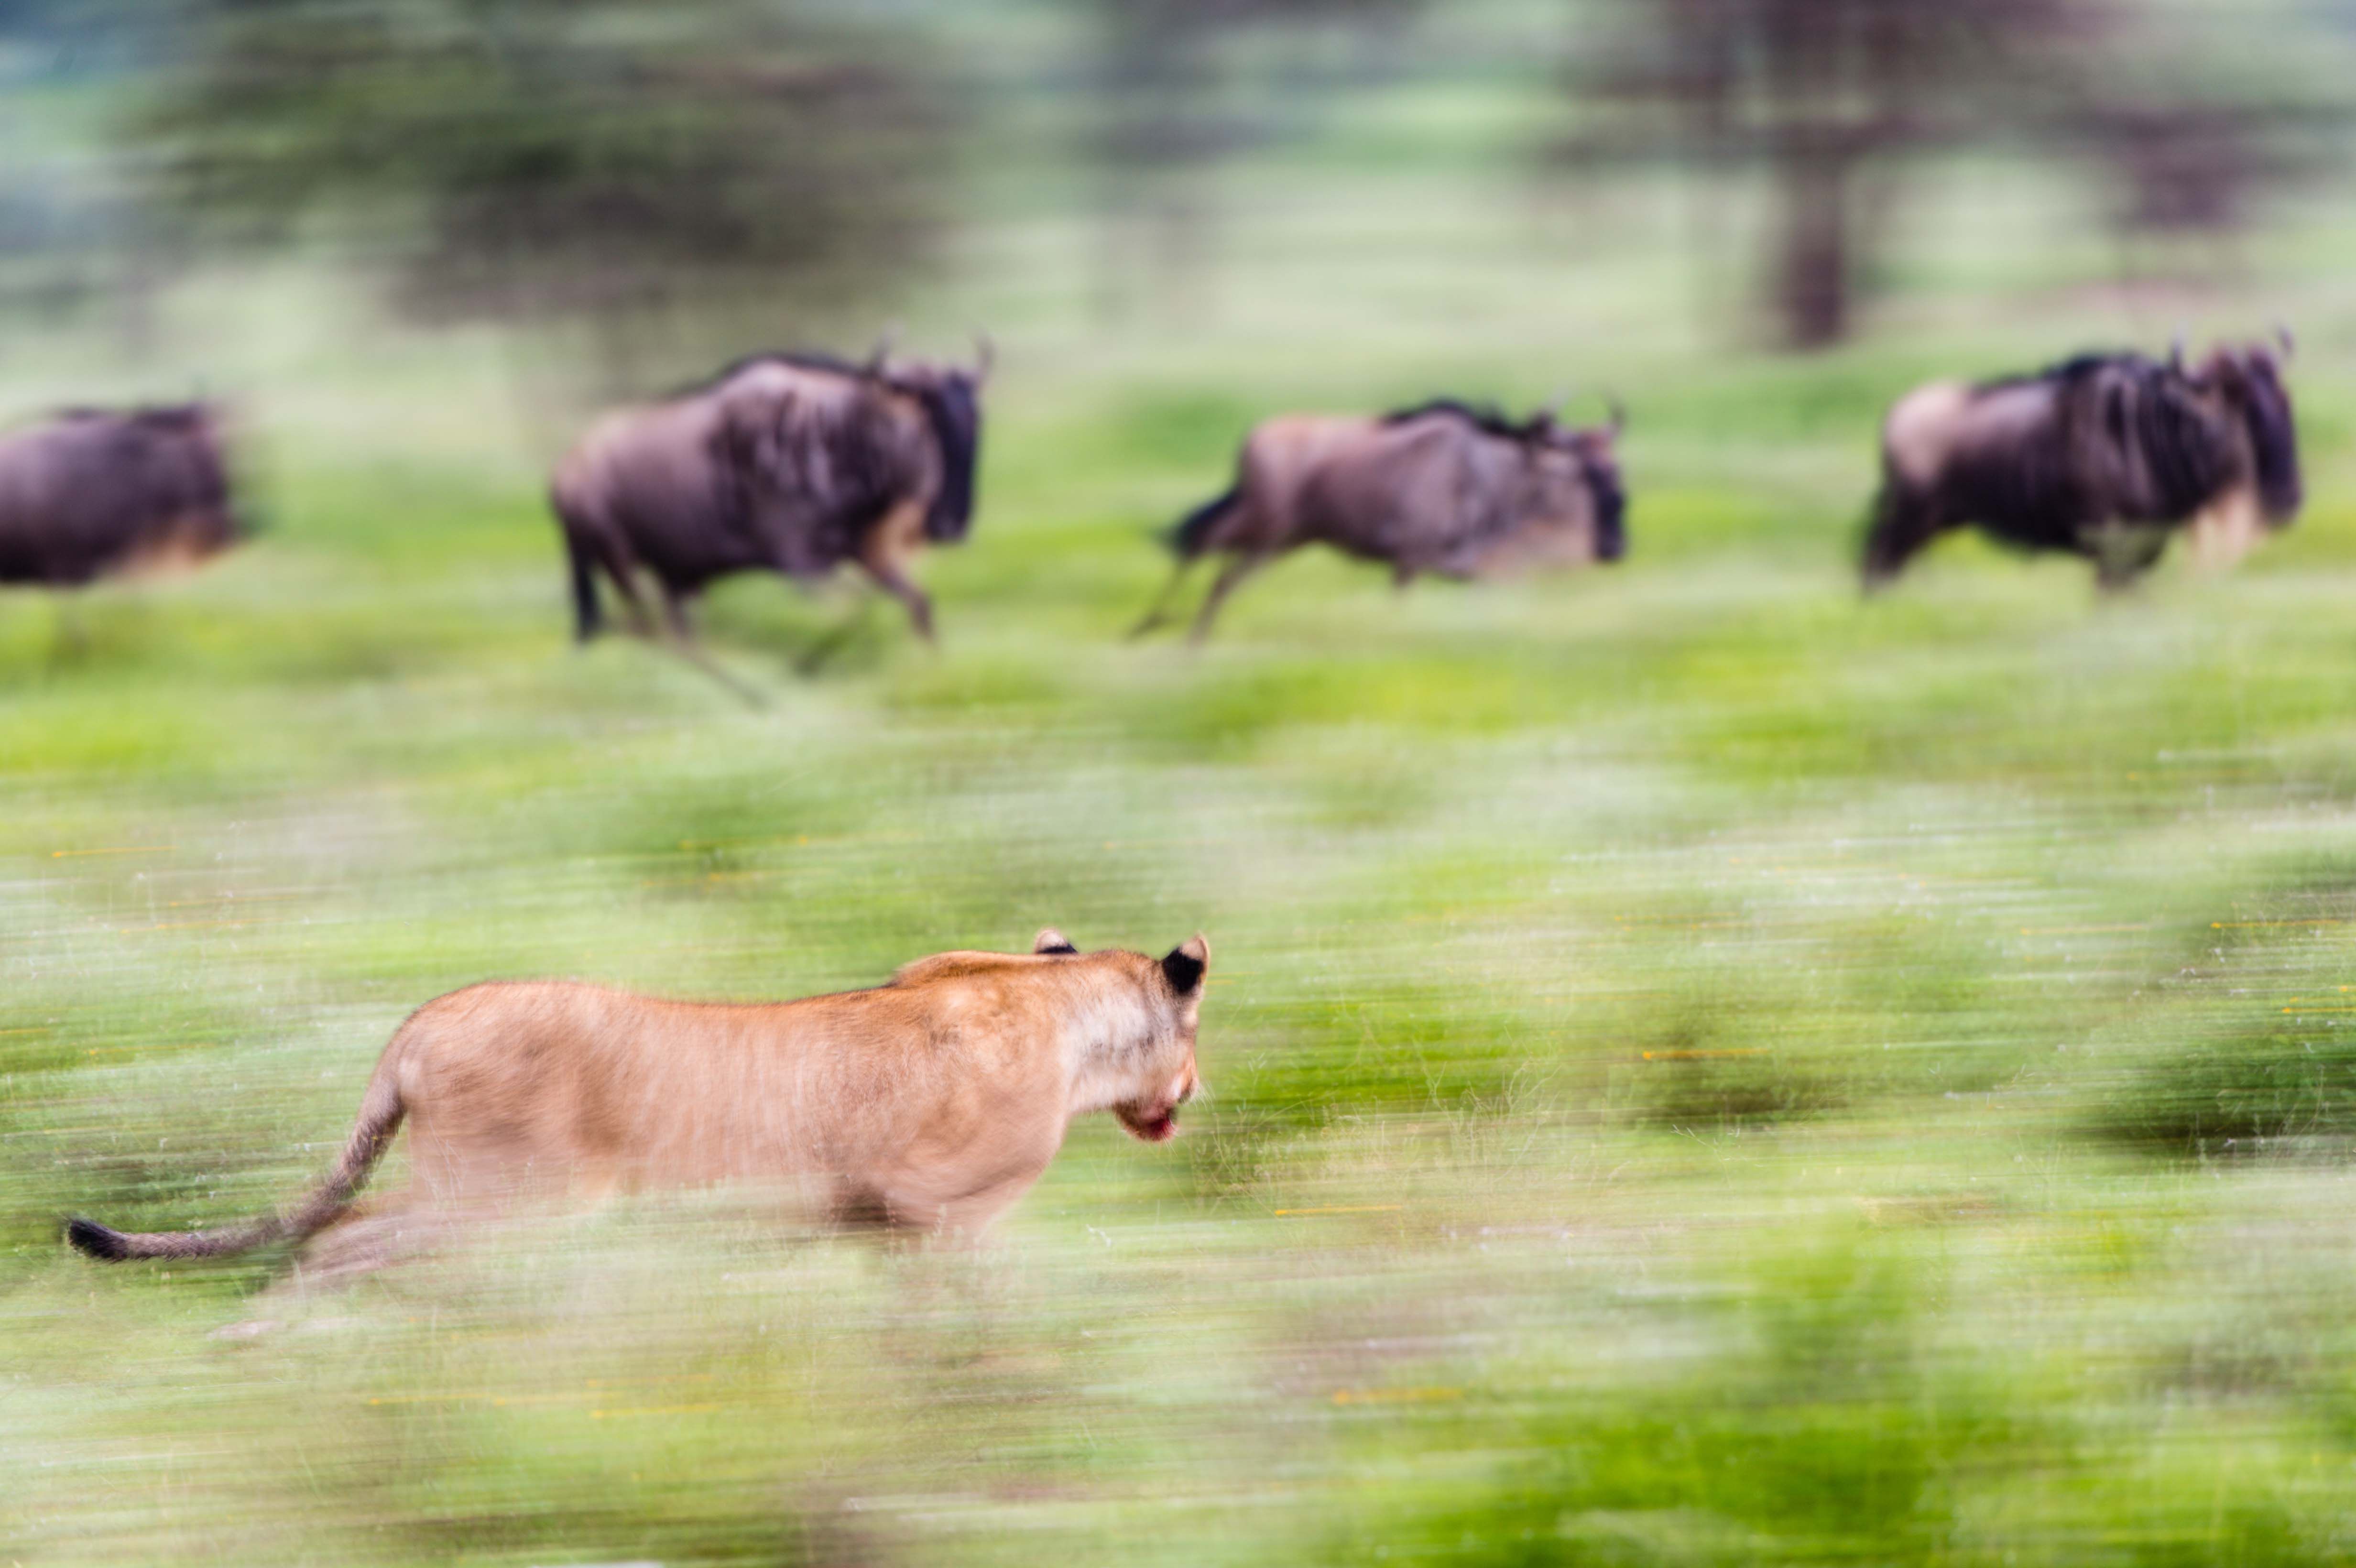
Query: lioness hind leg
(356, 1243)
(861, 1210)
(361, 1242)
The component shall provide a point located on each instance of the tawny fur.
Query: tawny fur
(931, 1101)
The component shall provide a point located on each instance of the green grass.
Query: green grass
(1705, 1068)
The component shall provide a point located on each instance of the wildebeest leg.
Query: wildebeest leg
(814, 659)
(880, 555)
(2223, 531)
(1402, 577)
(920, 609)
(624, 573)
(2122, 553)
(1235, 571)
(683, 642)
(72, 638)
(682, 626)
(1159, 612)
(1902, 523)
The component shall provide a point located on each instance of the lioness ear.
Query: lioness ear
(1184, 966)
(1050, 940)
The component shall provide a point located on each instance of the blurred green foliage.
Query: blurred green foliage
(1704, 1067)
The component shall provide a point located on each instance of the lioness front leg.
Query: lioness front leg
(967, 1218)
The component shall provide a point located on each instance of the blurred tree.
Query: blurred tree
(1818, 92)
(1164, 72)
(2218, 110)
(621, 166)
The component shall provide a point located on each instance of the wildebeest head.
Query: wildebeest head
(1591, 448)
(951, 397)
(187, 475)
(2250, 380)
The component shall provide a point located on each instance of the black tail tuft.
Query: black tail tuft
(586, 617)
(96, 1241)
(1192, 534)
(1897, 527)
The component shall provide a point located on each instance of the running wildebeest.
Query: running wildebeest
(2105, 456)
(786, 462)
(92, 493)
(1441, 487)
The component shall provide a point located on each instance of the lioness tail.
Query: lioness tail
(380, 1113)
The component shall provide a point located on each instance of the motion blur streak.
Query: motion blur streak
(1708, 1067)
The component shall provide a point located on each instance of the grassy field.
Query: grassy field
(1706, 1069)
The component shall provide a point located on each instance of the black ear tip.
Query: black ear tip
(1183, 970)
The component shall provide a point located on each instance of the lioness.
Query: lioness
(932, 1102)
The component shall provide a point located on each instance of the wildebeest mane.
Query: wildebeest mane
(1487, 418)
(799, 359)
(2189, 457)
(152, 416)
(2077, 368)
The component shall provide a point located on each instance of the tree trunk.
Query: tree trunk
(1812, 261)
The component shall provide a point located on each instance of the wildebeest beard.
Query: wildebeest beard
(2273, 440)
(1610, 498)
(955, 415)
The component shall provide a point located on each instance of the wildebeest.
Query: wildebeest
(788, 462)
(1441, 487)
(92, 493)
(2104, 456)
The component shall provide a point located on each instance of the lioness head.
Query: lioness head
(1169, 1072)
(1153, 1077)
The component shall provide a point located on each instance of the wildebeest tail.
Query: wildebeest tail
(1899, 524)
(380, 1114)
(1191, 535)
(586, 615)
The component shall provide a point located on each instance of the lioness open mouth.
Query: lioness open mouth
(1153, 1127)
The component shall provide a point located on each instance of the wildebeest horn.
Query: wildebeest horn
(882, 350)
(1619, 412)
(985, 353)
(2175, 350)
(2283, 337)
